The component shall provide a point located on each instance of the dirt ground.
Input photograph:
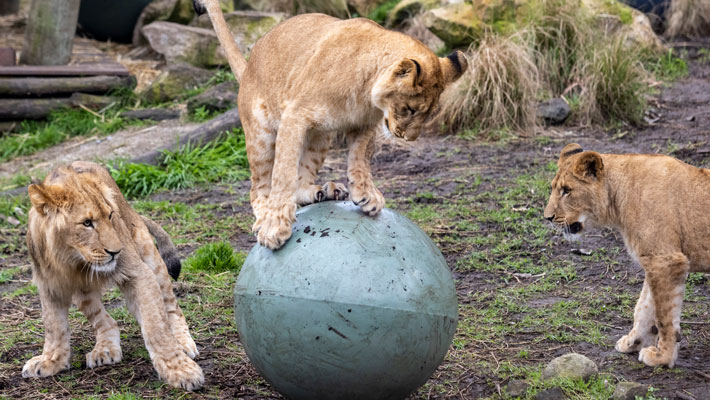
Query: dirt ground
(453, 188)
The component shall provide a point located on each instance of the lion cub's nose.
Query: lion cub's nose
(550, 218)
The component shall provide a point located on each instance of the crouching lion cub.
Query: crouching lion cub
(661, 206)
(83, 236)
(313, 76)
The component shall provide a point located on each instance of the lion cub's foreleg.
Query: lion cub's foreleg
(169, 359)
(666, 277)
(56, 352)
(644, 332)
(314, 153)
(108, 338)
(362, 189)
(274, 221)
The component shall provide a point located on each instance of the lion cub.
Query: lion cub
(661, 206)
(313, 76)
(83, 236)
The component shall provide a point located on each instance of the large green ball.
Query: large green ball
(351, 307)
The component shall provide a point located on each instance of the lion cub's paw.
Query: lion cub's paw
(370, 200)
(653, 356)
(180, 371)
(274, 228)
(41, 367)
(316, 193)
(633, 342)
(105, 353)
(335, 191)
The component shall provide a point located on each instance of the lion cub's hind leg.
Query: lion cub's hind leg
(666, 277)
(644, 333)
(314, 153)
(107, 350)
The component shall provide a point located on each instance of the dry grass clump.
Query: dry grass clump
(613, 83)
(689, 18)
(497, 91)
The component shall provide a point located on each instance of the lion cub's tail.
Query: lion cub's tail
(167, 249)
(236, 60)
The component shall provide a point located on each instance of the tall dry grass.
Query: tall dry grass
(689, 18)
(497, 91)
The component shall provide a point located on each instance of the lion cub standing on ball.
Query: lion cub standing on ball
(661, 206)
(83, 236)
(313, 76)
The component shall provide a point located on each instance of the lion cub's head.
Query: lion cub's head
(409, 91)
(71, 222)
(578, 190)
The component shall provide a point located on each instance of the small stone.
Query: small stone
(629, 390)
(218, 98)
(517, 388)
(570, 365)
(554, 111)
(551, 394)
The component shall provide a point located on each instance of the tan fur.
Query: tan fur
(83, 236)
(313, 76)
(660, 205)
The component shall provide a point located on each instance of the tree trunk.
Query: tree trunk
(49, 35)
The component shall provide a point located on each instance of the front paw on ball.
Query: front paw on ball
(371, 202)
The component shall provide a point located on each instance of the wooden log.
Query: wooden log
(65, 70)
(49, 35)
(202, 134)
(22, 87)
(15, 109)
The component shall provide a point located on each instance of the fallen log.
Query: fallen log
(17, 109)
(16, 87)
(202, 134)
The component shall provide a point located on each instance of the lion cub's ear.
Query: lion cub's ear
(588, 165)
(44, 198)
(570, 149)
(453, 66)
(408, 74)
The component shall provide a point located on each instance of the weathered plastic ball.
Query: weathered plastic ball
(351, 307)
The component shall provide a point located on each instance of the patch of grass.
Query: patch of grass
(216, 257)
(6, 275)
(202, 114)
(379, 14)
(667, 67)
(222, 160)
(16, 207)
(61, 125)
(689, 18)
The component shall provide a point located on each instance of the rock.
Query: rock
(417, 30)
(180, 43)
(219, 98)
(246, 26)
(551, 394)
(365, 7)
(554, 111)
(517, 388)
(457, 25)
(155, 114)
(629, 390)
(178, 11)
(570, 365)
(617, 17)
(409, 8)
(174, 81)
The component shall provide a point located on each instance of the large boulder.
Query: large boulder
(180, 43)
(417, 30)
(246, 26)
(617, 17)
(570, 365)
(457, 24)
(174, 82)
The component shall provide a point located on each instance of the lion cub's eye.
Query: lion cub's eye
(565, 190)
(87, 223)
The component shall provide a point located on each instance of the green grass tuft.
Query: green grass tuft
(379, 14)
(216, 257)
(222, 160)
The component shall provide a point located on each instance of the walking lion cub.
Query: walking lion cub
(83, 236)
(661, 206)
